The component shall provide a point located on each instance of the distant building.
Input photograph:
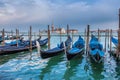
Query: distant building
(60, 30)
(73, 31)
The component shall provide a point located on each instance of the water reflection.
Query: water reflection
(71, 68)
(97, 69)
(109, 72)
(83, 70)
(118, 71)
(6, 58)
(47, 71)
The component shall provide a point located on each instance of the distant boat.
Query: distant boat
(9, 38)
(96, 50)
(77, 49)
(12, 42)
(22, 42)
(57, 50)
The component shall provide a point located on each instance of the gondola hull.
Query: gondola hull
(13, 50)
(96, 50)
(52, 52)
(57, 50)
(74, 53)
(97, 55)
(77, 49)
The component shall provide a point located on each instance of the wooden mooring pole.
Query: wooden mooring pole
(19, 33)
(87, 42)
(30, 38)
(119, 37)
(85, 35)
(72, 36)
(110, 40)
(98, 34)
(60, 35)
(39, 34)
(3, 37)
(48, 37)
(105, 40)
(118, 51)
(17, 37)
(12, 34)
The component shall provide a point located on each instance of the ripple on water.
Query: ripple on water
(109, 68)
(22, 68)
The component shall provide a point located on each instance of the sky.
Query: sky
(78, 14)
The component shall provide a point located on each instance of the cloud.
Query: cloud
(61, 12)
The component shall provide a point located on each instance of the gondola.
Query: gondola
(55, 51)
(13, 42)
(9, 38)
(96, 50)
(115, 41)
(77, 49)
(114, 52)
(13, 49)
(51, 52)
(43, 42)
(23, 46)
(26, 42)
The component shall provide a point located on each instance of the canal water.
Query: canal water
(30, 66)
